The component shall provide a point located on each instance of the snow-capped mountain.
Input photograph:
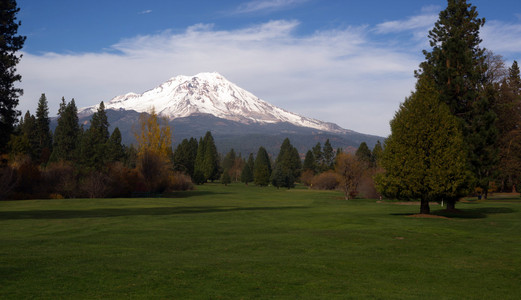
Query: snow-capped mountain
(209, 93)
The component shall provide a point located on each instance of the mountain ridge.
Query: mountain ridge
(209, 93)
(237, 119)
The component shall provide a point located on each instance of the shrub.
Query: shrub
(325, 181)
(61, 178)
(95, 185)
(7, 180)
(307, 177)
(180, 182)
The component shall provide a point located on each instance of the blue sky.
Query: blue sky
(342, 61)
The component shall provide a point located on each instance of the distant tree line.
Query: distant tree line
(457, 134)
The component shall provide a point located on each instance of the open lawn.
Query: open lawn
(249, 242)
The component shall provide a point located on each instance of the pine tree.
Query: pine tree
(376, 154)
(508, 110)
(43, 130)
(67, 133)
(329, 156)
(199, 177)
(115, 150)
(262, 168)
(319, 157)
(95, 141)
(185, 155)
(309, 162)
(424, 156)
(457, 66)
(211, 158)
(364, 155)
(10, 43)
(287, 166)
(247, 170)
(24, 140)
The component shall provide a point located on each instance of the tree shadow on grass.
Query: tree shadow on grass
(474, 213)
(121, 212)
(189, 194)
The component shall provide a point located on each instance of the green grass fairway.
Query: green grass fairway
(242, 242)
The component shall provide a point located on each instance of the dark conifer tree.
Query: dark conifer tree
(95, 141)
(211, 158)
(262, 168)
(309, 162)
(10, 43)
(185, 155)
(319, 157)
(508, 109)
(424, 156)
(43, 130)
(115, 150)
(376, 155)
(199, 177)
(67, 133)
(364, 155)
(457, 66)
(329, 156)
(287, 166)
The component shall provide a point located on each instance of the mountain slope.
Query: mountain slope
(236, 118)
(209, 93)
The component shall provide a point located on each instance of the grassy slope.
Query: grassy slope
(250, 242)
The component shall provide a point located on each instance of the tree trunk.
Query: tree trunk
(451, 204)
(424, 207)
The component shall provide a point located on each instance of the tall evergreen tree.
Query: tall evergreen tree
(329, 156)
(94, 150)
(10, 44)
(376, 154)
(309, 162)
(262, 168)
(24, 140)
(287, 166)
(364, 155)
(115, 149)
(211, 158)
(319, 157)
(67, 133)
(43, 130)
(458, 67)
(247, 170)
(185, 155)
(424, 156)
(199, 163)
(508, 109)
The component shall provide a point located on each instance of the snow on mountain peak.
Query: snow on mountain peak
(208, 93)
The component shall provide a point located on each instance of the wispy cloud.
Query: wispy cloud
(412, 23)
(502, 38)
(338, 68)
(340, 75)
(145, 12)
(266, 5)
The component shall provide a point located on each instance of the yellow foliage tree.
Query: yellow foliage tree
(153, 135)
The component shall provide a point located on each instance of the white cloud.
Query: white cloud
(266, 5)
(502, 38)
(336, 76)
(421, 22)
(145, 12)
